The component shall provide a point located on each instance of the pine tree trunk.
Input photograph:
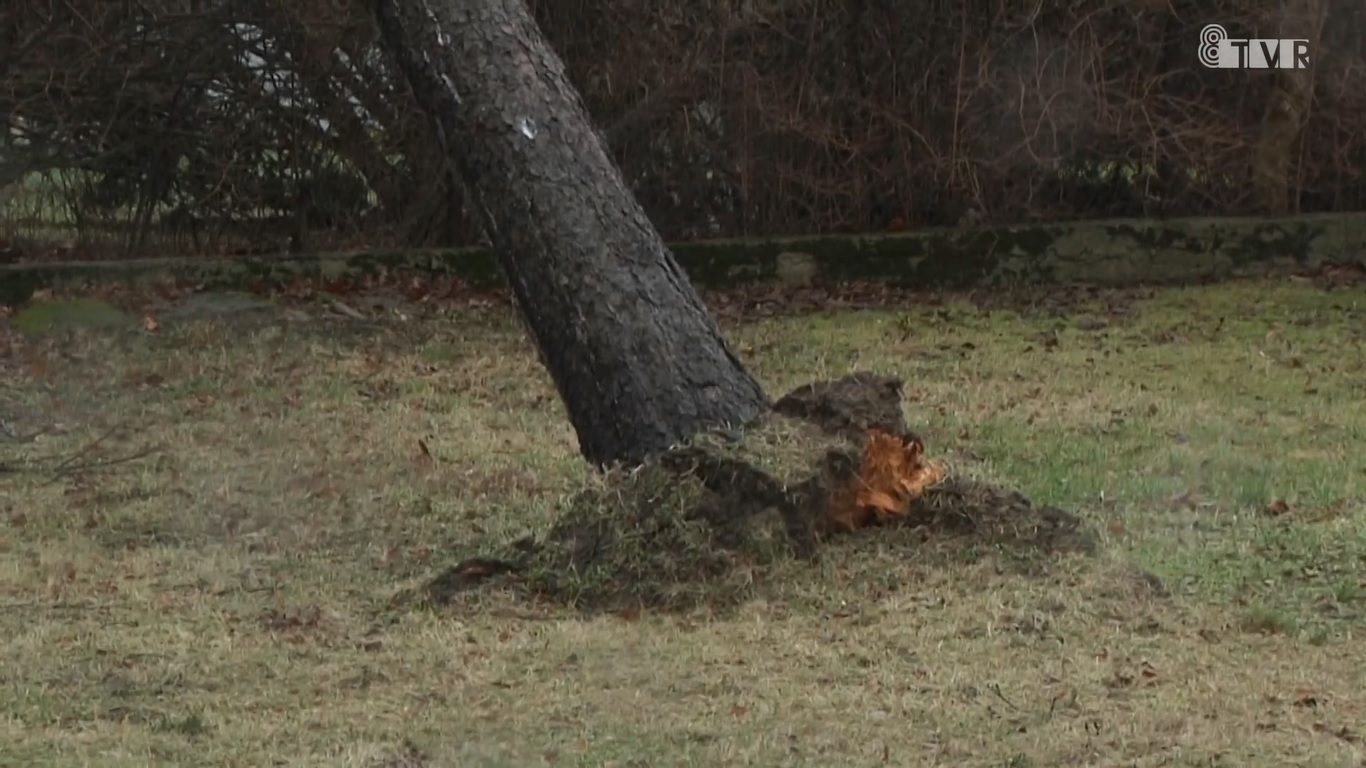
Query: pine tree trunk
(637, 359)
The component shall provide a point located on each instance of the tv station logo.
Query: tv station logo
(1219, 51)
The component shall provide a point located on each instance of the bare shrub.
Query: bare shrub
(209, 125)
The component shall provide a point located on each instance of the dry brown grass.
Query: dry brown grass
(227, 599)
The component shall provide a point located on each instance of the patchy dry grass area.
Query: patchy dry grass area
(203, 531)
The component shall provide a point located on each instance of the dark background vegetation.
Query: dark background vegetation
(222, 126)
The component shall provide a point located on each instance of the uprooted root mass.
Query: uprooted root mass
(709, 521)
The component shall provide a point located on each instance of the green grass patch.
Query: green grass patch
(203, 532)
(48, 316)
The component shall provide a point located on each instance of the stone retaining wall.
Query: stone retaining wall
(1102, 252)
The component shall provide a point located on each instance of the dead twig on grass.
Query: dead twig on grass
(66, 466)
(65, 471)
(84, 451)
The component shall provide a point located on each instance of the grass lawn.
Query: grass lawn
(228, 597)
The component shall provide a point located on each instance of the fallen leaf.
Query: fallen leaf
(299, 288)
(1332, 511)
(1306, 698)
(348, 310)
(425, 461)
(477, 570)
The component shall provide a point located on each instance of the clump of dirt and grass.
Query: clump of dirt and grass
(715, 521)
(220, 520)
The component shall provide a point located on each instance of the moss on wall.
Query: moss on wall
(1106, 252)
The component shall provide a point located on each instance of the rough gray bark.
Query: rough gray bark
(637, 359)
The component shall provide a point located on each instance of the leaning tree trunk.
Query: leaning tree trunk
(637, 359)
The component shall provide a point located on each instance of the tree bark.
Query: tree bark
(637, 359)
(1287, 109)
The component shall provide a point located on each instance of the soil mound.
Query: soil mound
(710, 521)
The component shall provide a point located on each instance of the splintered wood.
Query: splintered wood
(892, 473)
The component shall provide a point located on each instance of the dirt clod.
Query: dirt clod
(847, 405)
